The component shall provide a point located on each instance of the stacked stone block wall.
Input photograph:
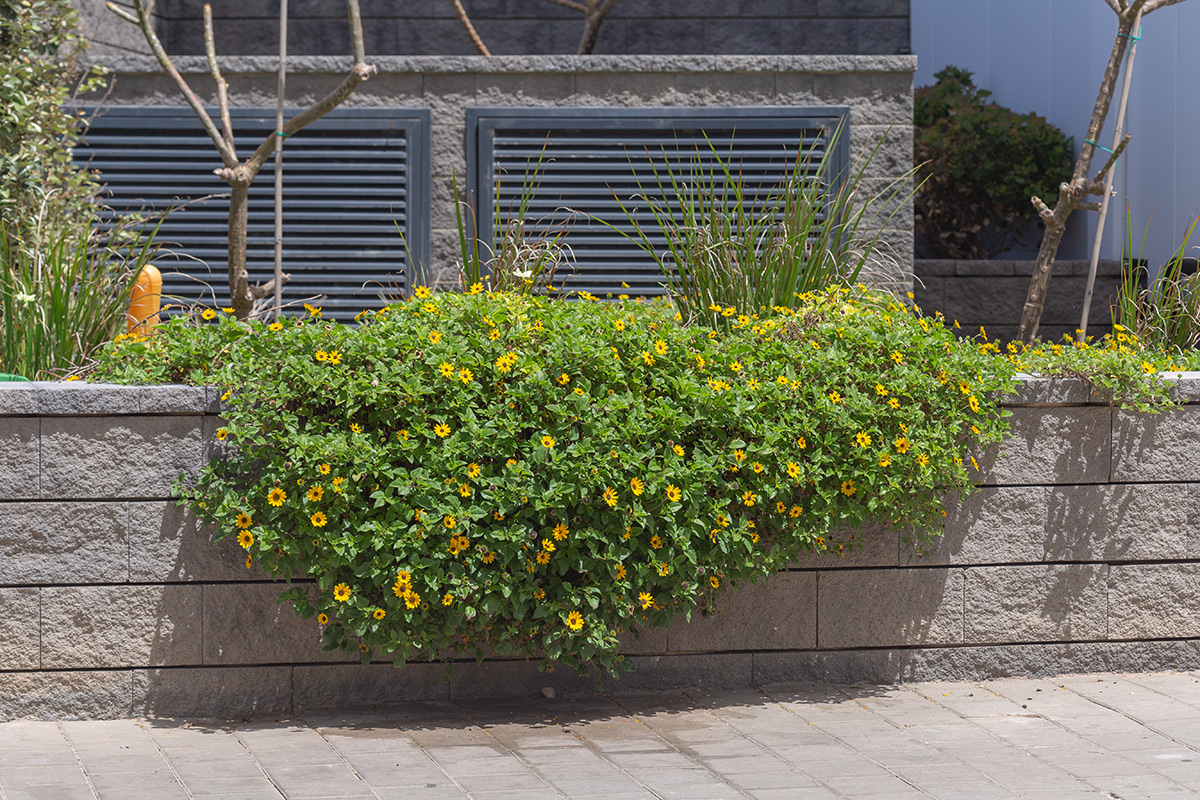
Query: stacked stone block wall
(876, 89)
(1080, 552)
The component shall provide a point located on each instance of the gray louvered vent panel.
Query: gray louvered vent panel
(590, 158)
(350, 180)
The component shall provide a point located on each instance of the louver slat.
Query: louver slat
(351, 179)
(592, 160)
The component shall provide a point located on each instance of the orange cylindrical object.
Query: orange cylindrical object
(145, 301)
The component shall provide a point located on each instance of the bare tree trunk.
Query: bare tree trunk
(593, 18)
(1073, 194)
(461, 13)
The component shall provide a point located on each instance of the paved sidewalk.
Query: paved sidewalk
(1090, 736)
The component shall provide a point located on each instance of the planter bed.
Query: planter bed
(1081, 552)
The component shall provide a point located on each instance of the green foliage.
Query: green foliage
(1166, 314)
(503, 473)
(64, 291)
(40, 54)
(728, 246)
(979, 165)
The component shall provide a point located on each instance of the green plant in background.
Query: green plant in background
(729, 247)
(978, 165)
(500, 473)
(63, 293)
(1165, 315)
(40, 67)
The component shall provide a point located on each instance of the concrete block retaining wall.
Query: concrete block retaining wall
(877, 90)
(1080, 552)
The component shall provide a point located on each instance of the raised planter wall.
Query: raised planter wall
(1081, 552)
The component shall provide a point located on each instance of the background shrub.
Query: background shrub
(980, 164)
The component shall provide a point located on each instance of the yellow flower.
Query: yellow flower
(881, 390)
(795, 511)
(862, 439)
(442, 430)
(780, 507)
(435, 337)
(402, 434)
(758, 468)
(473, 470)
(488, 557)
(335, 357)
(974, 403)
(649, 359)
(449, 521)
(678, 451)
(739, 455)
(656, 542)
(323, 469)
(322, 619)
(574, 620)
(422, 293)
(313, 311)
(321, 355)
(222, 433)
(660, 347)
(548, 545)
(341, 592)
(636, 486)
(893, 402)
(897, 356)
(379, 613)
(315, 492)
(673, 493)
(246, 539)
(736, 366)
(355, 427)
(208, 313)
(465, 375)
(411, 599)
(493, 334)
(848, 488)
(579, 390)
(242, 520)
(885, 460)
(276, 497)
(610, 497)
(446, 369)
(902, 444)
(564, 379)
(619, 324)
(560, 531)
(447, 599)
(646, 599)
(337, 483)
(275, 326)
(620, 571)
(543, 558)
(923, 460)
(664, 569)
(464, 490)
(713, 581)
(1147, 367)
(748, 498)
(318, 519)
(548, 442)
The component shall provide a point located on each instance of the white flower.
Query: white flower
(526, 274)
(25, 298)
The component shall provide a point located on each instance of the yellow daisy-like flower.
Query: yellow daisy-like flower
(673, 493)
(660, 347)
(663, 569)
(379, 613)
(356, 428)
(488, 557)
(493, 334)
(885, 460)
(208, 313)
(574, 620)
(758, 467)
(411, 599)
(862, 439)
(473, 470)
(313, 311)
(834, 397)
(275, 326)
(321, 356)
(222, 433)
(476, 288)
(435, 337)
(276, 497)
(402, 434)
(656, 542)
(802, 443)
(964, 387)
(246, 539)
(548, 441)
(449, 522)
(464, 490)
(543, 558)
(548, 545)
(713, 581)
(739, 455)
(780, 507)
(736, 366)
(793, 470)
(610, 497)
(341, 592)
(249, 561)
(1148, 368)
(422, 293)
(447, 599)
(973, 402)
(322, 619)
(465, 375)
(636, 486)
(795, 511)
(893, 402)
(579, 391)
(646, 599)
(318, 519)
(881, 390)
(897, 356)
(323, 469)
(335, 357)
(442, 430)
(621, 571)
(619, 324)
(337, 483)
(404, 577)
(923, 460)
(848, 488)
(902, 445)
(678, 451)
(315, 493)
(646, 357)
(447, 369)
(560, 531)
(564, 379)
(749, 498)
(723, 520)
(242, 520)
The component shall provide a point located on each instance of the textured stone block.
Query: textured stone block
(1153, 601)
(1038, 603)
(18, 398)
(1156, 447)
(19, 460)
(509, 89)
(1126, 522)
(780, 614)
(875, 98)
(112, 457)
(120, 626)
(509, 678)
(172, 399)
(818, 36)
(878, 608)
(67, 398)
(872, 545)
(224, 693)
(625, 89)
(985, 300)
(993, 526)
(648, 641)
(64, 543)
(726, 89)
(330, 686)
(19, 629)
(1032, 390)
(103, 694)
(883, 36)
(246, 624)
(668, 673)
(1051, 446)
(741, 36)
(167, 544)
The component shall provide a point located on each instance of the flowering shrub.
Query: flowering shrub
(513, 475)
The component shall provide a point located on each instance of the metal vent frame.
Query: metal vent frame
(349, 178)
(632, 128)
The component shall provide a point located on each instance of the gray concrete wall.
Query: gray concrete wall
(877, 89)
(517, 27)
(1080, 552)
(991, 294)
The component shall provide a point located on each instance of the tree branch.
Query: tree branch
(571, 4)
(1112, 159)
(466, 23)
(1154, 5)
(210, 49)
(1113, 5)
(593, 19)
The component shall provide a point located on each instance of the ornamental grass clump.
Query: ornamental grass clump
(496, 473)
